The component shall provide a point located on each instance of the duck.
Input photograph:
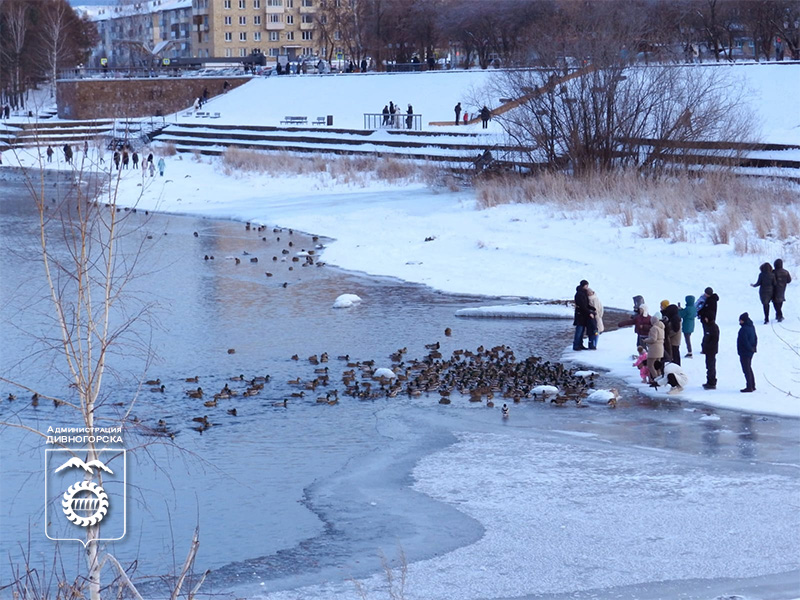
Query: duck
(294, 381)
(198, 393)
(153, 382)
(448, 332)
(11, 397)
(237, 378)
(203, 420)
(210, 403)
(261, 378)
(283, 404)
(251, 392)
(194, 379)
(159, 389)
(344, 357)
(232, 412)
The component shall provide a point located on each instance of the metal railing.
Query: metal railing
(410, 122)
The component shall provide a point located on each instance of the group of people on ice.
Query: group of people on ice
(659, 336)
(393, 119)
(485, 115)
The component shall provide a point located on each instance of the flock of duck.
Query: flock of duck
(485, 375)
(302, 257)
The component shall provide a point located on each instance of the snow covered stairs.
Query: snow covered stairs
(56, 133)
(460, 148)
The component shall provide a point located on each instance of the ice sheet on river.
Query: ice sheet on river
(579, 516)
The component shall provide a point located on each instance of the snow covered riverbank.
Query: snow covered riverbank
(513, 250)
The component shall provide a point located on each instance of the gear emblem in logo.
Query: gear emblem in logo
(85, 503)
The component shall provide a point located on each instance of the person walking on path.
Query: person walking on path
(486, 114)
(125, 159)
(782, 279)
(49, 154)
(655, 346)
(410, 118)
(766, 288)
(68, 153)
(135, 159)
(116, 159)
(161, 166)
(707, 306)
(746, 346)
(385, 114)
(583, 314)
(457, 110)
(596, 326)
(688, 314)
(709, 347)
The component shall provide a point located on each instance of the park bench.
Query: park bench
(294, 121)
(319, 121)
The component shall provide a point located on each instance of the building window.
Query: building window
(275, 18)
(257, 20)
(274, 2)
(337, 35)
(306, 19)
(242, 20)
(290, 36)
(228, 36)
(289, 3)
(307, 52)
(290, 19)
(226, 4)
(256, 3)
(308, 35)
(274, 36)
(257, 36)
(308, 3)
(242, 4)
(228, 52)
(273, 52)
(242, 51)
(242, 36)
(228, 20)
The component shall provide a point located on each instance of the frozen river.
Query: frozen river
(653, 499)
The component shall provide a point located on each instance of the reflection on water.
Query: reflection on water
(268, 485)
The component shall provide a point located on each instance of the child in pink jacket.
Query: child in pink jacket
(641, 362)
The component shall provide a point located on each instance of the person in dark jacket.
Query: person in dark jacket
(116, 159)
(746, 346)
(688, 314)
(583, 313)
(410, 117)
(782, 278)
(385, 114)
(640, 321)
(707, 306)
(49, 154)
(766, 288)
(710, 347)
(457, 110)
(670, 315)
(135, 159)
(486, 114)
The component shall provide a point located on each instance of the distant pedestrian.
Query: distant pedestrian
(466, 118)
(385, 114)
(583, 314)
(688, 314)
(766, 288)
(782, 279)
(746, 346)
(152, 168)
(457, 110)
(68, 153)
(196, 104)
(226, 85)
(205, 94)
(672, 331)
(596, 326)
(85, 146)
(710, 348)
(7, 112)
(641, 322)
(135, 159)
(161, 166)
(1, 157)
(486, 114)
(125, 159)
(150, 158)
(363, 65)
(116, 159)
(49, 154)
(410, 118)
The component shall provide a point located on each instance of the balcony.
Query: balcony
(271, 10)
(270, 26)
(307, 26)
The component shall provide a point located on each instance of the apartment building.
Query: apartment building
(236, 28)
(130, 33)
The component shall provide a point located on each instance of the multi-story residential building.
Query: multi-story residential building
(130, 33)
(236, 28)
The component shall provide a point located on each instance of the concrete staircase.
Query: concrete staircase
(56, 133)
(458, 148)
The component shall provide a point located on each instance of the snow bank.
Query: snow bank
(346, 301)
(530, 310)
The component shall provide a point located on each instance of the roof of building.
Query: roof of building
(103, 13)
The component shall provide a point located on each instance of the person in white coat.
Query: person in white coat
(596, 326)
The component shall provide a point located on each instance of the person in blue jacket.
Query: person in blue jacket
(688, 314)
(746, 345)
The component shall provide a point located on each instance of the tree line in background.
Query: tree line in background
(36, 40)
(524, 32)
